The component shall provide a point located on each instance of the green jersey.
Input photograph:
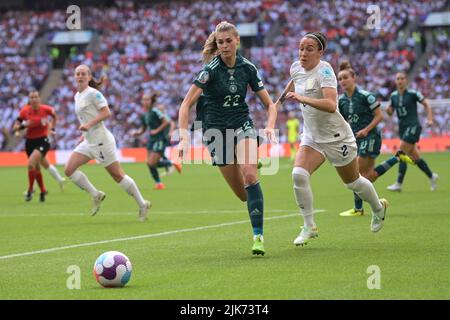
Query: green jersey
(406, 106)
(358, 109)
(224, 92)
(152, 120)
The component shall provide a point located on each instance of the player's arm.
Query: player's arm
(289, 88)
(52, 125)
(18, 125)
(183, 116)
(103, 114)
(429, 110)
(271, 108)
(328, 103)
(163, 125)
(390, 110)
(377, 118)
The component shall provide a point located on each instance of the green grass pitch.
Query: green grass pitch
(199, 238)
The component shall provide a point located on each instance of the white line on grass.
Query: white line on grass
(145, 236)
(152, 212)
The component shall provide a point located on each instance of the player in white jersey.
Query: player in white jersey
(326, 135)
(98, 143)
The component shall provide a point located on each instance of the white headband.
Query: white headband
(309, 35)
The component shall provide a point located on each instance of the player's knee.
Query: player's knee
(250, 178)
(357, 184)
(369, 175)
(300, 177)
(68, 172)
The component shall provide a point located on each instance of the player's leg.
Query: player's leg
(40, 181)
(152, 163)
(349, 174)
(53, 172)
(413, 152)
(247, 159)
(365, 165)
(33, 160)
(76, 160)
(308, 159)
(129, 185)
(233, 176)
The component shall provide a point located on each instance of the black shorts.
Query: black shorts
(222, 145)
(40, 144)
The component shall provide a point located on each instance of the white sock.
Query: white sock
(366, 191)
(303, 195)
(81, 180)
(54, 173)
(131, 188)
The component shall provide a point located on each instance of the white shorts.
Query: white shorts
(105, 154)
(339, 153)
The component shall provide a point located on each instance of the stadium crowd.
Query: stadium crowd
(156, 47)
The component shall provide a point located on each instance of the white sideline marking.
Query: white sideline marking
(152, 235)
(76, 214)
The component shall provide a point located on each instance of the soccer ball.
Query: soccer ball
(112, 269)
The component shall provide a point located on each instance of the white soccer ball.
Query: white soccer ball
(112, 269)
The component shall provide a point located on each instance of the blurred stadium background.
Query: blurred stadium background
(143, 46)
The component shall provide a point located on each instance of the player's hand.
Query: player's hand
(270, 134)
(293, 96)
(361, 134)
(183, 148)
(84, 127)
(430, 123)
(153, 132)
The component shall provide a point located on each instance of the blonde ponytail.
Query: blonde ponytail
(210, 48)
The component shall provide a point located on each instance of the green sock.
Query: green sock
(154, 173)
(401, 172)
(255, 205)
(424, 167)
(358, 202)
(383, 167)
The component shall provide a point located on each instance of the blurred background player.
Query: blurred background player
(223, 81)
(404, 102)
(169, 169)
(35, 118)
(98, 143)
(293, 127)
(362, 111)
(326, 135)
(158, 125)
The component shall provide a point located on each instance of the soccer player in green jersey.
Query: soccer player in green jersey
(362, 111)
(404, 102)
(228, 128)
(158, 125)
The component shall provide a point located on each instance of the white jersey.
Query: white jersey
(87, 106)
(320, 126)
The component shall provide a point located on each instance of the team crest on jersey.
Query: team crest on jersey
(327, 73)
(203, 77)
(233, 88)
